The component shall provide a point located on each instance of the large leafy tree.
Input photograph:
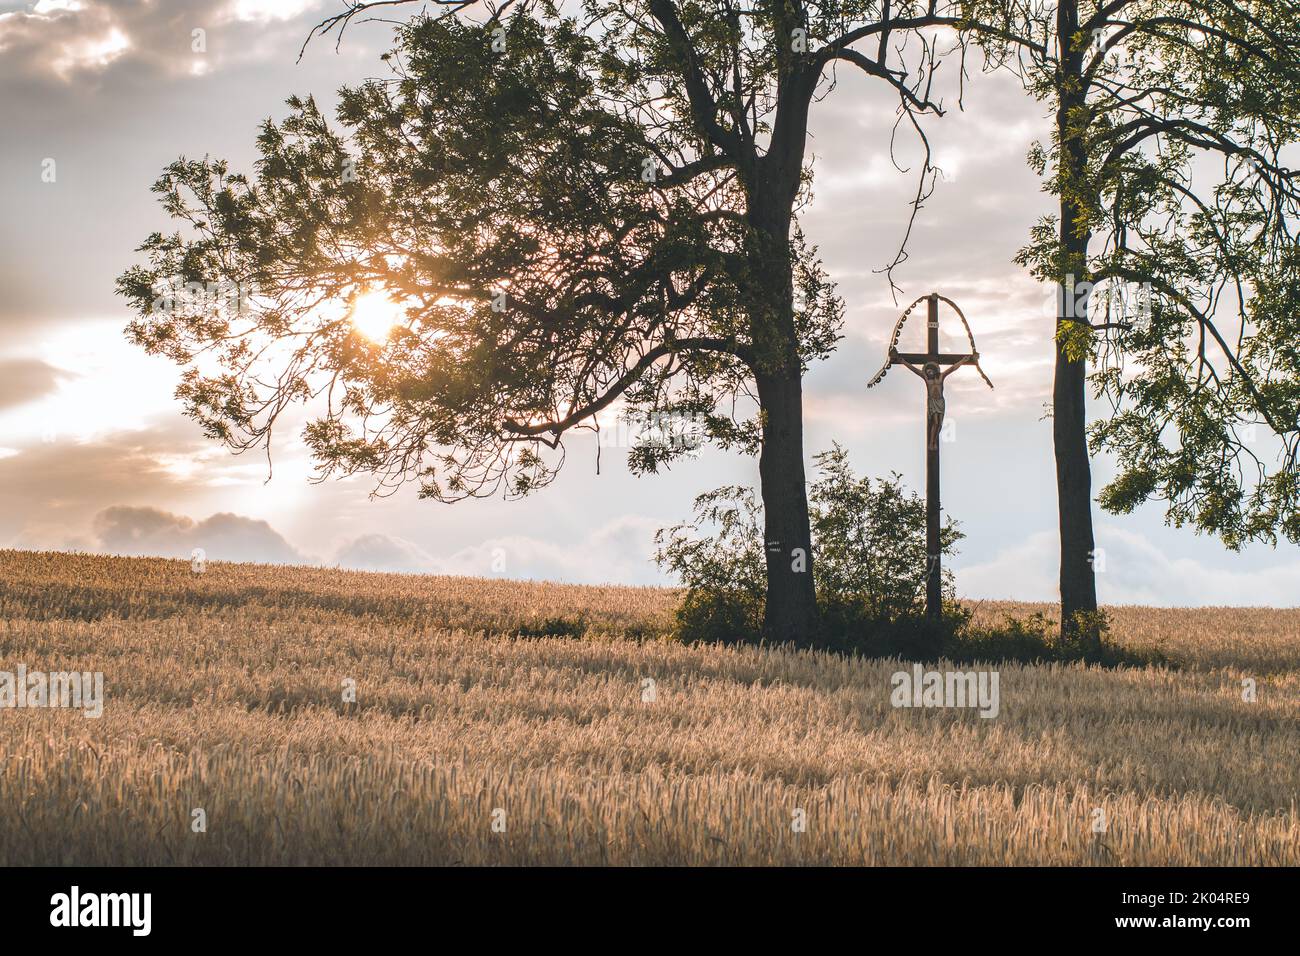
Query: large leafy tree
(577, 211)
(1174, 250)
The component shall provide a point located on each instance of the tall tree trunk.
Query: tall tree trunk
(790, 612)
(791, 609)
(1069, 419)
(1073, 490)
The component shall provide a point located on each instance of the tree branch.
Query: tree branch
(627, 380)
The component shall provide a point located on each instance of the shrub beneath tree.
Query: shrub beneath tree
(869, 538)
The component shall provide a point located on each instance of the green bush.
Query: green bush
(870, 558)
(1037, 640)
(720, 617)
(869, 543)
(554, 627)
(725, 574)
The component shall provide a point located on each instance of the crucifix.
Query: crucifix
(932, 367)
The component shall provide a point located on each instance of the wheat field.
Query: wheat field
(499, 722)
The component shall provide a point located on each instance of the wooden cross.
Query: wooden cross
(929, 366)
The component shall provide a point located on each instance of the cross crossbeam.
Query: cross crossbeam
(941, 358)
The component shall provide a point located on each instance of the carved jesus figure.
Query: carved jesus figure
(933, 379)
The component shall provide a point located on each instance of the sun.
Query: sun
(374, 314)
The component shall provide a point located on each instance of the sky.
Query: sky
(95, 455)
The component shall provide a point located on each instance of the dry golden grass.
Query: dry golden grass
(224, 692)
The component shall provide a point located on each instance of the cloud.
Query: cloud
(61, 465)
(51, 490)
(25, 380)
(223, 537)
(1130, 570)
(618, 551)
(64, 39)
(1026, 571)
(380, 552)
(72, 41)
(264, 10)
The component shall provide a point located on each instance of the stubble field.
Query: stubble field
(498, 722)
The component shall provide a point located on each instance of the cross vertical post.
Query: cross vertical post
(932, 367)
(933, 549)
